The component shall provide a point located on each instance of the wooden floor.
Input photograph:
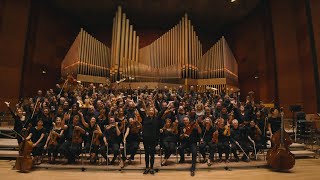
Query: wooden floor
(305, 169)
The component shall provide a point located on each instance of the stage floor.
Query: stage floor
(305, 169)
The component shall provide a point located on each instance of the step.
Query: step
(171, 166)
(304, 153)
(6, 143)
(297, 146)
(8, 154)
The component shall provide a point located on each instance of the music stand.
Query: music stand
(293, 109)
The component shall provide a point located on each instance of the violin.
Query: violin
(123, 125)
(76, 137)
(138, 116)
(189, 128)
(24, 160)
(279, 156)
(95, 137)
(135, 127)
(53, 138)
(215, 137)
(227, 130)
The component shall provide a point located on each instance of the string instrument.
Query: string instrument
(138, 116)
(76, 136)
(123, 125)
(257, 134)
(189, 128)
(215, 137)
(95, 137)
(279, 156)
(24, 160)
(227, 130)
(135, 127)
(53, 138)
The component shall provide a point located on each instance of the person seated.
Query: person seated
(206, 141)
(54, 140)
(223, 139)
(111, 140)
(237, 135)
(169, 139)
(73, 133)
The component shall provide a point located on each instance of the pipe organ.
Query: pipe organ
(88, 59)
(124, 48)
(175, 58)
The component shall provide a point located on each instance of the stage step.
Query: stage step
(171, 166)
(297, 147)
(6, 143)
(303, 153)
(8, 154)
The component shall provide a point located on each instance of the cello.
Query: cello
(279, 156)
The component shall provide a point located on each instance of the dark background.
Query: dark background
(270, 40)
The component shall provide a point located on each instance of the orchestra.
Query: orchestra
(108, 121)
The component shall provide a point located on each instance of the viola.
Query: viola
(215, 137)
(53, 138)
(76, 137)
(189, 128)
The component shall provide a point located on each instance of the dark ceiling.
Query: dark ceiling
(205, 15)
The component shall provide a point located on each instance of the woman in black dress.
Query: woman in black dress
(37, 137)
(54, 140)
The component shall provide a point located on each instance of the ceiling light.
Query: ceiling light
(233, 1)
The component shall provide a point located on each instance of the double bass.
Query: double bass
(279, 156)
(24, 160)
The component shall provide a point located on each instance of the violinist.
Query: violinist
(237, 135)
(131, 140)
(169, 137)
(94, 133)
(54, 140)
(111, 139)
(47, 120)
(223, 139)
(206, 141)
(37, 137)
(73, 133)
(102, 119)
(20, 121)
(242, 116)
(189, 137)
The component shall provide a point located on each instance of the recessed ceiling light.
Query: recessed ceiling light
(233, 0)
